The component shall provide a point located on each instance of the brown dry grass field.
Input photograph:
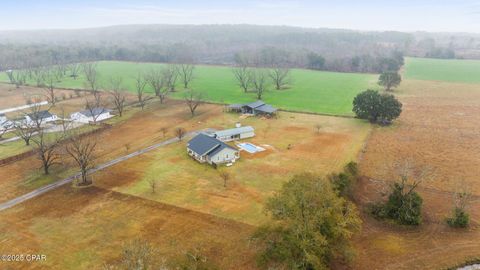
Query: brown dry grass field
(83, 229)
(103, 218)
(439, 130)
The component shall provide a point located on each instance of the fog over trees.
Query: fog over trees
(327, 49)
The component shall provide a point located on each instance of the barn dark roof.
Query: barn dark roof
(266, 109)
(203, 144)
(255, 104)
(40, 115)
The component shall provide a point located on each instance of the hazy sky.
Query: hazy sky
(406, 15)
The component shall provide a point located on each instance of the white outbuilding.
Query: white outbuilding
(93, 115)
(234, 134)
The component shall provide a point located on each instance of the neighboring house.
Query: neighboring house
(42, 117)
(233, 134)
(4, 122)
(94, 115)
(256, 108)
(204, 148)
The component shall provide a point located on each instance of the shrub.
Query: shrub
(460, 219)
(403, 207)
(351, 168)
(343, 182)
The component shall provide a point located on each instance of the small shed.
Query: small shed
(233, 134)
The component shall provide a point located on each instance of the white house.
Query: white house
(4, 122)
(93, 115)
(233, 134)
(204, 148)
(41, 117)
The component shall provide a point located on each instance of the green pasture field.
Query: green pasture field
(449, 70)
(310, 91)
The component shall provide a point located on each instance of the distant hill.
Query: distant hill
(343, 50)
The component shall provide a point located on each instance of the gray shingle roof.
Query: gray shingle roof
(234, 131)
(40, 115)
(205, 145)
(95, 111)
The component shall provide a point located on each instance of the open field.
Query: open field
(438, 130)
(311, 91)
(98, 223)
(189, 184)
(451, 70)
(100, 219)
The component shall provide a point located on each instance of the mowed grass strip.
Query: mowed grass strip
(448, 70)
(311, 91)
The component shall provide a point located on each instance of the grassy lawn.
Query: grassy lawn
(182, 182)
(311, 91)
(453, 70)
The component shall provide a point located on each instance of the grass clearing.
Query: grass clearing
(186, 183)
(312, 91)
(448, 70)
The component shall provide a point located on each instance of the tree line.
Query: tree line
(335, 50)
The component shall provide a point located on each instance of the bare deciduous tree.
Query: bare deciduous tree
(243, 77)
(25, 131)
(180, 133)
(47, 149)
(462, 196)
(140, 84)
(49, 84)
(117, 94)
(95, 108)
(39, 74)
(153, 185)
(82, 150)
(186, 74)
(4, 128)
(74, 70)
(280, 77)
(170, 76)
(27, 128)
(259, 82)
(225, 177)
(155, 79)
(91, 77)
(193, 99)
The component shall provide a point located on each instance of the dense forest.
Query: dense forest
(324, 49)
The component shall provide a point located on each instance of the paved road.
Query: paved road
(57, 184)
(19, 108)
